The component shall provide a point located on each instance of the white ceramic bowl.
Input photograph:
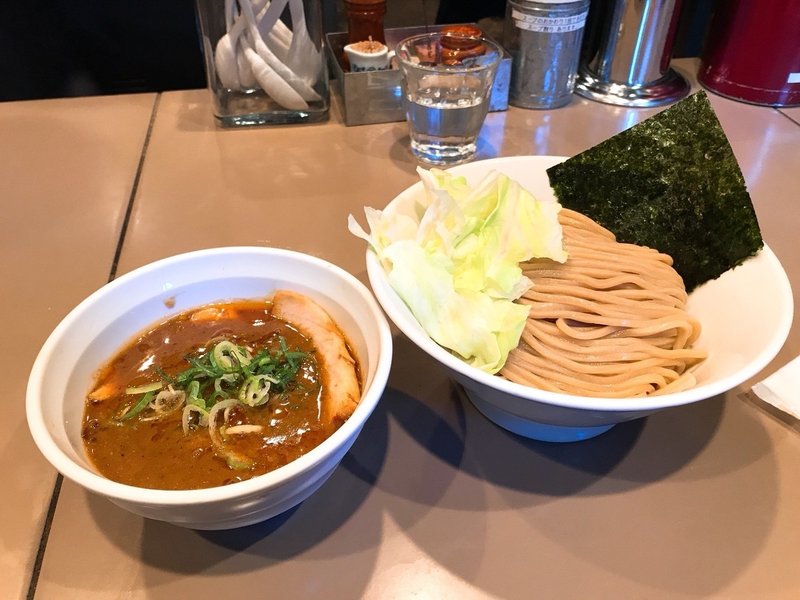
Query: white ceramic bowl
(90, 334)
(745, 316)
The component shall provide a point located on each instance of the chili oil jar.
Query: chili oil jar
(461, 42)
(544, 39)
(365, 20)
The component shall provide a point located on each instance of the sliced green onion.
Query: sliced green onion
(143, 389)
(216, 397)
(213, 428)
(138, 407)
(255, 391)
(238, 462)
(227, 378)
(193, 395)
(228, 357)
(164, 375)
(214, 382)
(168, 401)
(201, 368)
(186, 418)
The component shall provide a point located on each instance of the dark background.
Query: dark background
(56, 48)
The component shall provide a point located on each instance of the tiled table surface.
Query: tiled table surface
(433, 501)
(66, 175)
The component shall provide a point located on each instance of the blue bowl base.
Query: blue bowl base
(542, 432)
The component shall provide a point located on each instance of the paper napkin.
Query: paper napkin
(782, 388)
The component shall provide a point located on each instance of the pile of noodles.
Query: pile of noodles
(610, 322)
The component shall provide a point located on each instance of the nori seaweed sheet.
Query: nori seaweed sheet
(672, 183)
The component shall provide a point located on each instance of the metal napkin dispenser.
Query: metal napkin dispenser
(377, 96)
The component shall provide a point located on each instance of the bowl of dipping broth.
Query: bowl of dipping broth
(744, 318)
(213, 389)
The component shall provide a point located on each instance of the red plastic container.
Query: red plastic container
(752, 52)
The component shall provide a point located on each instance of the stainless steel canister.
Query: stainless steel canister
(544, 39)
(627, 54)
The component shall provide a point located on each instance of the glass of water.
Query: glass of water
(447, 82)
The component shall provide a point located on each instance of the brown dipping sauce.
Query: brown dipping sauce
(157, 453)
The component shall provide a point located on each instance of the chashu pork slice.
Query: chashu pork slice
(342, 390)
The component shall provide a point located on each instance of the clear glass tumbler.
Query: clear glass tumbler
(265, 61)
(446, 93)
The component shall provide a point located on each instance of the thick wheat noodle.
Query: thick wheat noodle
(528, 377)
(585, 247)
(589, 242)
(607, 364)
(610, 302)
(581, 233)
(580, 221)
(610, 322)
(688, 380)
(621, 265)
(595, 283)
(544, 307)
(616, 349)
(685, 330)
(556, 382)
(601, 272)
(587, 332)
(644, 384)
(634, 385)
(623, 337)
(649, 374)
(610, 285)
(641, 327)
(659, 271)
(617, 335)
(582, 259)
(542, 364)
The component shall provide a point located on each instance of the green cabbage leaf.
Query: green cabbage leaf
(453, 254)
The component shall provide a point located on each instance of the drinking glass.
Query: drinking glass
(447, 81)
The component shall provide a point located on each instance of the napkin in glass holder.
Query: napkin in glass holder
(265, 61)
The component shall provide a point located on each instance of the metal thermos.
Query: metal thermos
(626, 53)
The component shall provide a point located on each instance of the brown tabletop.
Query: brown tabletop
(433, 501)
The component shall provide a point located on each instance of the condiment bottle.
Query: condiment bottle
(365, 20)
(462, 41)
